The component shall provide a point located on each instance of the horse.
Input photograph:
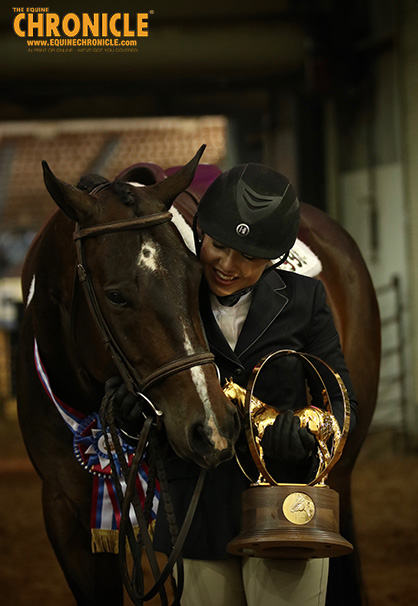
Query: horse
(110, 288)
(63, 318)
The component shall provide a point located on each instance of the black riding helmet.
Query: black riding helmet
(253, 209)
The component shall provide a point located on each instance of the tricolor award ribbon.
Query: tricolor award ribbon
(90, 451)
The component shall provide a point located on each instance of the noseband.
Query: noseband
(137, 385)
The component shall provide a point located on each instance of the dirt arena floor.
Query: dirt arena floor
(385, 496)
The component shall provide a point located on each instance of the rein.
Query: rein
(134, 583)
(137, 385)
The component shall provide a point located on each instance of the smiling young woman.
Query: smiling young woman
(227, 270)
(247, 222)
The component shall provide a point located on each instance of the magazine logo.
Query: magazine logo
(42, 28)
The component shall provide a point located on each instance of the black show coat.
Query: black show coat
(288, 311)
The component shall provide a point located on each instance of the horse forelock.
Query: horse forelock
(93, 183)
(89, 182)
(136, 197)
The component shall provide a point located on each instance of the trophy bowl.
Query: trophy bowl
(284, 520)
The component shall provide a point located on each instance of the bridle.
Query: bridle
(136, 384)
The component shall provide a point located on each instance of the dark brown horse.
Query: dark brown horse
(78, 363)
(145, 285)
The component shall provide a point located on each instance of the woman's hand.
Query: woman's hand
(127, 408)
(286, 440)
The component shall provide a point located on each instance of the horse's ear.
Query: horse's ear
(171, 187)
(74, 202)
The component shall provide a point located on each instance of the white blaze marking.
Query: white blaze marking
(148, 256)
(31, 291)
(199, 379)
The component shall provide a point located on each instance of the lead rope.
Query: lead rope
(134, 583)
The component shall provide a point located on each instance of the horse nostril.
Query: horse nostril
(199, 440)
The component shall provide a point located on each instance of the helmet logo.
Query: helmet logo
(242, 229)
(253, 206)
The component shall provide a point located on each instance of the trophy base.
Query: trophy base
(290, 522)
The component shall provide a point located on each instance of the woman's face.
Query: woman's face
(227, 270)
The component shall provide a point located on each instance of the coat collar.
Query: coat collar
(263, 311)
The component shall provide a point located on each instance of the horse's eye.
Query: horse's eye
(116, 298)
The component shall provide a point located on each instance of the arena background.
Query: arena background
(324, 91)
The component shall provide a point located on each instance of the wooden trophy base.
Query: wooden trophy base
(290, 522)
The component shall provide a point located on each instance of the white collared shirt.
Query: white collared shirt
(231, 319)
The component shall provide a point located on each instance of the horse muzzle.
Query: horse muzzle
(208, 445)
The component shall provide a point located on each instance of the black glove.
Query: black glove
(286, 440)
(127, 408)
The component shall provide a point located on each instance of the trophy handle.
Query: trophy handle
(248, 425)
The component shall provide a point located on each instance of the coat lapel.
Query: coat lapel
(214, 335)
(269, 301)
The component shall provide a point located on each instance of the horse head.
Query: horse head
(144, 284)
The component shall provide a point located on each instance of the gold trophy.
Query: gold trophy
(281, 520)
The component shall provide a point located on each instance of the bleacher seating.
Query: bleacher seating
(101, 147)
